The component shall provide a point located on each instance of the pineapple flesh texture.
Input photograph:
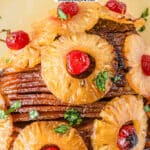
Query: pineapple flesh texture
(116, 114)
(20, 60)
(59, 81)
(44, 32)
(85, 19)
(134, 48)
(6, 128)
(39, 134)
(105, 13)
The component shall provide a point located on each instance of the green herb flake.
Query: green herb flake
(147, 108)
(13, 107)
(73, 117)
(16, 105)
(62, 129)
(142, 28)
(145, 14)
(116, 79)
(3, 114)
(101, 79)
(33, 114)
(62, 15)
(7, 61)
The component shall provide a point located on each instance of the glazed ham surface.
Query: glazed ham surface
(29, 87)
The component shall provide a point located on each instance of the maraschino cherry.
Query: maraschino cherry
(117, 6)
(145, 64)
(17, 40)
(127, 137)
(78, 62)
(51, 148)
(69, 8)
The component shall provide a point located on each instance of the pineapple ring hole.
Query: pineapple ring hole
(90, 68)
(50, 147)
(127, 136)
(129, 123)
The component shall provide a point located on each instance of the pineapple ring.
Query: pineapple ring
(134, 48)
(39, 134)
(48, 29)
(59, 81)
(115, 114)
(6, 128)
(105, 13)
(85, 19)
(44, 32)
(19, 60)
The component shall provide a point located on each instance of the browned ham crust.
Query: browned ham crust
(29, 87)
(27, 84)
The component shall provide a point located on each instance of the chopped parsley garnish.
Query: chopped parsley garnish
(144, 15)
(3, 114)
(33, 114)
(101, 79)
(13, 107)
(73, 117)
(62, 129)
(147, 108)
(116, 79)
(142, 28)
(7, 61)
(62, 15)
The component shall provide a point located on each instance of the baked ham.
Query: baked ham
(30, 89)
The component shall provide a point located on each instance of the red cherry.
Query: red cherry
(117, 6)
(77, 62)
(127, 137)
(69, 8)
(145, 64)
(17, 40)
(51, 148)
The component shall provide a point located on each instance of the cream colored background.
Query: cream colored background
(20, 14)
